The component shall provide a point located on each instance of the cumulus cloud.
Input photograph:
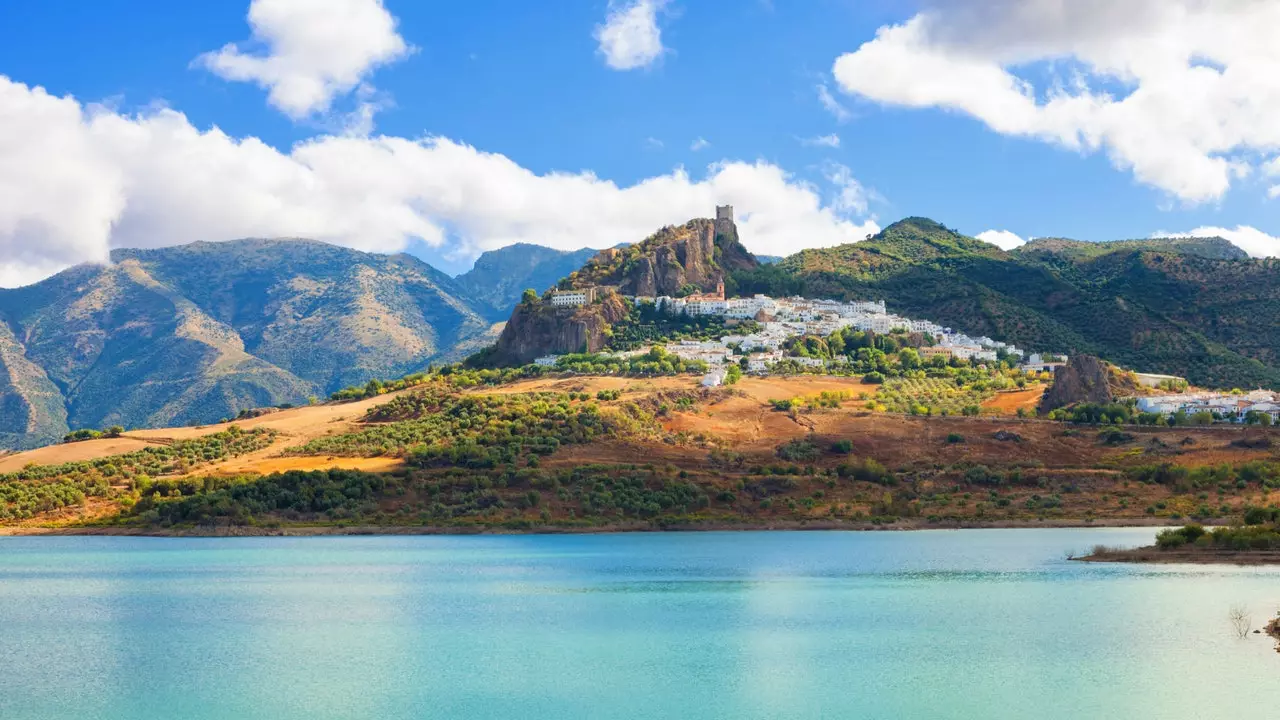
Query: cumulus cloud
(1002, 239)
(1181, 93)
(76, 181)
(311, 51)
(1249, 239)
(700, 144)
(831, 141)
(630, 37)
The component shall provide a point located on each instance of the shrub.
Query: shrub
(798, 451)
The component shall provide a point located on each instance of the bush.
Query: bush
(865, 470)
(981, 475)
(954, 438)
(1260, 515)
(842, 447)
(798, 451)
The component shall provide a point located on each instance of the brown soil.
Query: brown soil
(296, 426)
(1009, 402)
(250, 464)
(71, 452)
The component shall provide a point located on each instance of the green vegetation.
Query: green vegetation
(655, 362)
(1127, 303)
(939, 396)
(42, 488)
(436, 426)
(597, 494)
(799, 451)
(114, 431)
(645, 325)
(1234, 538)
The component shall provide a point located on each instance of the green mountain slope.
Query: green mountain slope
(1159, 305)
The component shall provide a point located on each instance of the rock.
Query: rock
(695, 254)
(543, 330)
(1007, 436)
(1085, 379)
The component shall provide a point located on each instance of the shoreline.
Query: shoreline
(1155, 556)
(708, 526)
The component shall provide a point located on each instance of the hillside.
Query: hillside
(473, 452)
(1214, 248)
(195, 333)
(499, 277)
(1157, 305)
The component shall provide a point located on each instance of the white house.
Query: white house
(572, 298)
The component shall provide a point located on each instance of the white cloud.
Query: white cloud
(1249, 239)
(831, 141)
(1002, 239)
(314, 51)
(654, 143)
(700, 144)
(630, 37)
(1182, 93)
(76, 181)
(1272, 169)
(850, 196)
(832, 105)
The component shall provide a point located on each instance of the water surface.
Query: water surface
(961, 624)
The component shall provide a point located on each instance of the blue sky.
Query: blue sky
(530, 82)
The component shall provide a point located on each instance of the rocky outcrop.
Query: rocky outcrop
(1084, 379)
(537, 330)
(673, 261)
(695, 254)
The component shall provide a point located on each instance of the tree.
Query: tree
(732, 375)
(1241, 623)
(529, 297)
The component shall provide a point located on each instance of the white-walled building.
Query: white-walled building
(572, 298)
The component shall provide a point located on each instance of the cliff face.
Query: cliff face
(1084, 378)
(674, 259)
(696, 254)
(537, 330)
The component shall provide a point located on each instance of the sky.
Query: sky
(449, 129)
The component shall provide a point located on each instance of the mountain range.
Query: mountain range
(195, 333)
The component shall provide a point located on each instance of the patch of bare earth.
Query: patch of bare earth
(1011, 401)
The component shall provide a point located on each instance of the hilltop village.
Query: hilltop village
(781, 319)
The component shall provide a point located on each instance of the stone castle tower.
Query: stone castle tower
(724, 213)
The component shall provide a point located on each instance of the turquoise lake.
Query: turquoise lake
(959, 624)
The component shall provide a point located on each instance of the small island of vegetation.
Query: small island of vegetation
(1254, 542)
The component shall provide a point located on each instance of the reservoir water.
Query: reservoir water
(961, 624)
